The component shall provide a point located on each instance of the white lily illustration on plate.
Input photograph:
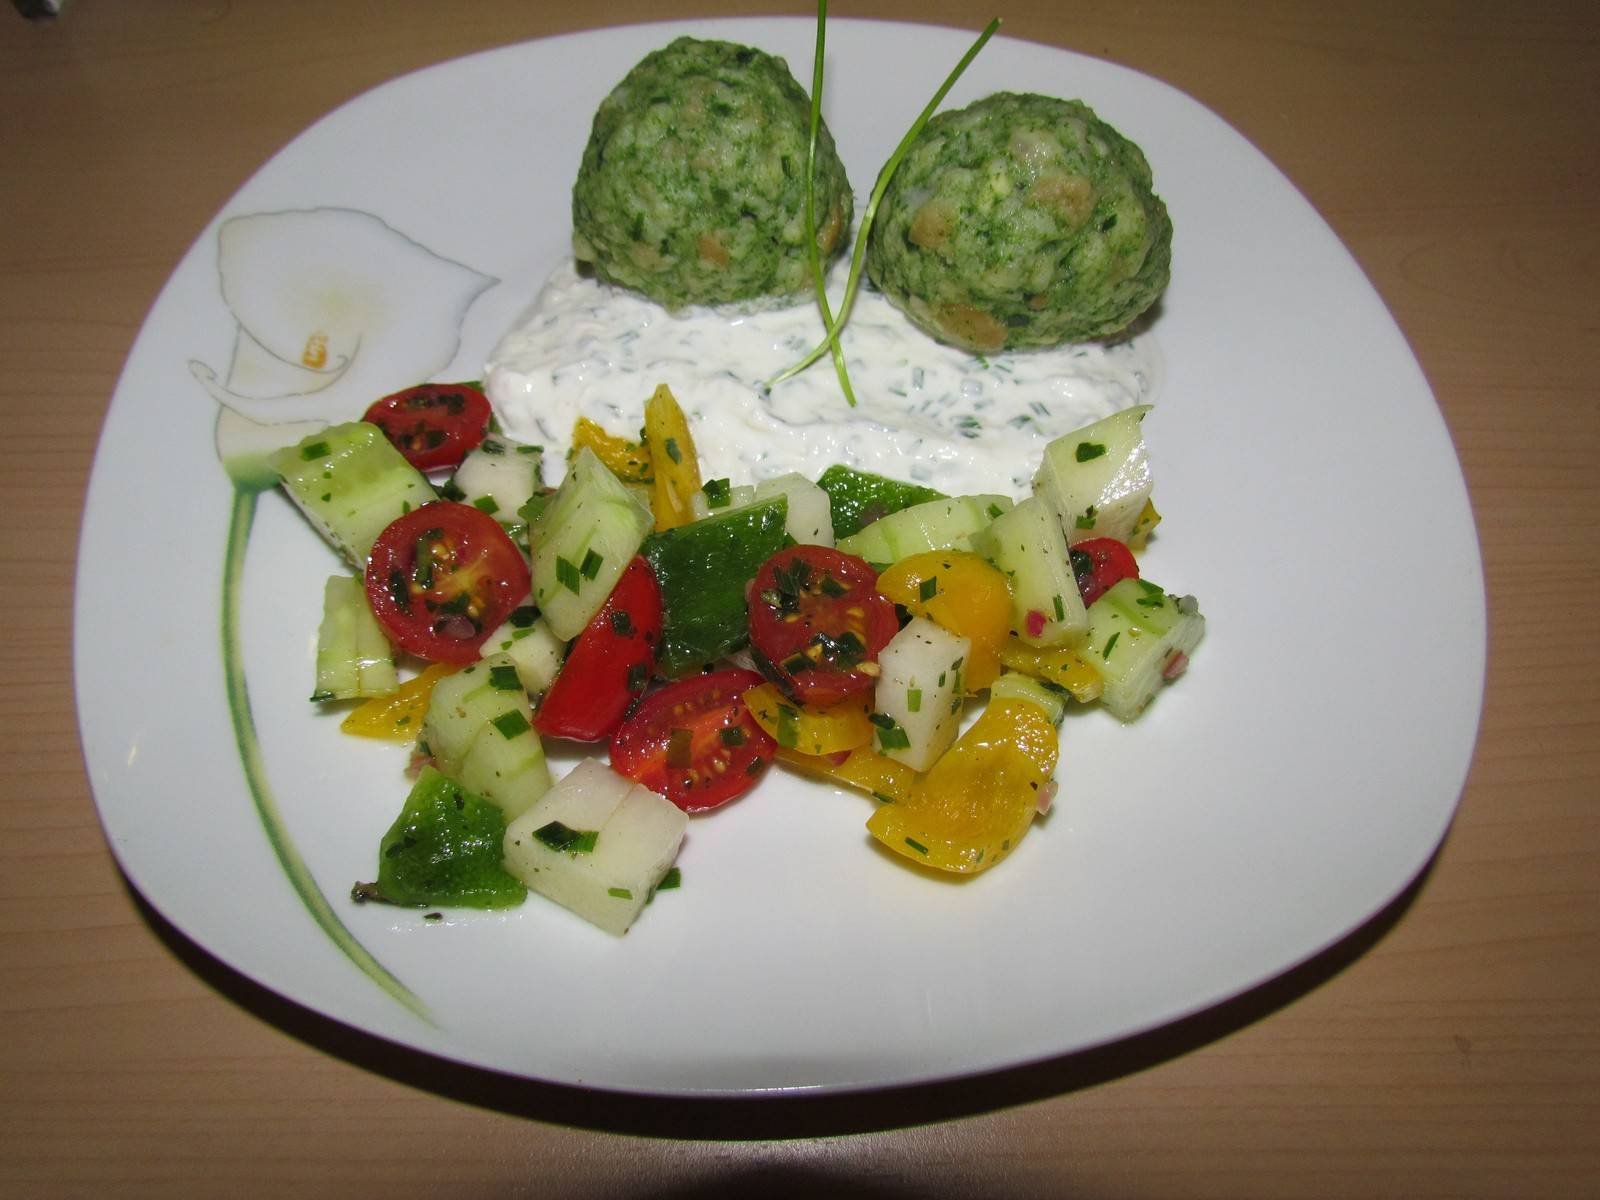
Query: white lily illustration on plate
(335, 309)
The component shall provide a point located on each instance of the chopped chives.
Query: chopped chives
(504, 678)
(591, 564)
(560, 837)
(511, 724)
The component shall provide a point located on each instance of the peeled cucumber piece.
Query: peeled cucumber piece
(498, 476)
(597, 844)
(1137, 633)
(1098, 479)
(918, 696)
(354, 658)
(582, 542)
(351, 483)
(479, 731)
(1028, 545)
(534, 650)
(934, 525)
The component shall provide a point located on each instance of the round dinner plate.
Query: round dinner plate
(1281, 793)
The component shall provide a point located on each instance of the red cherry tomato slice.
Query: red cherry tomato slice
(609, 664)
(1099, 563)
(444, 577)
(694, 742)
(817, 623)
(433, 424)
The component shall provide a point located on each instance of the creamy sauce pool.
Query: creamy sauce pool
(925, 412)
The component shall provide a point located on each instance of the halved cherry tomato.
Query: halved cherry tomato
(694, 741)
(444, 577)
(817, 623)
(433, 424)
(610, 663)
(1100, 562)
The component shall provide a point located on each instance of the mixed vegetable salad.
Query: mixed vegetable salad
(693, 632)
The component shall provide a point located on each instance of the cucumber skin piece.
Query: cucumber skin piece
(858, 498)
(1028, 546)
(460, 734)
(935, 525)
(703, 569)
(354, 658)
(592, 511)
(354, 488)
(1134, 629)
(445, 848)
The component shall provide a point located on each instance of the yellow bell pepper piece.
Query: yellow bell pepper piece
(1058, 664)
(974, 805)
(864, 769)
(672, 458)
(1149, 518)
(628, 461)
(961, 592)
(807, 729)
(397, 717)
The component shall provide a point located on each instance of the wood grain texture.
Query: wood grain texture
(1451, 1048)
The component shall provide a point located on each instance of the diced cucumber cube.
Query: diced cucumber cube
(597, 844)
(351, 483)
(917, 703)
(354, 658)
(582, 542)
(935, 525)
(498, 476)
(1028, 545)
(536, 652)
(1137, 633)
(1098, 479)
(479, 731)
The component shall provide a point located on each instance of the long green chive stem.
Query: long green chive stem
(858, 256)
(811, 202)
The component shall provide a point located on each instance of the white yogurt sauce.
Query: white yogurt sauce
(925, 412)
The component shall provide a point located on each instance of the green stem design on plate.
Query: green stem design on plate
(244, 733)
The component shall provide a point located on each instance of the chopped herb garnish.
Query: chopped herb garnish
(486, 504)
(913, 699)
(718, 492)
(567, 575)
(523, 616)
(917, 846)
(590, 567)
(1089, 450)
(996, 511)
(733, 735)
(511, 724)
(504, 678)
(1110, 644)
(620, 893)
(560, 837)
(928, 588)
(638, 676)
(672, 450)
(621, 623)
(314, 451)
(1087, 518)
(788, 727)
(1061, 612)
(673, 878)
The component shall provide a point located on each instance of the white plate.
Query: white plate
(1284, 791)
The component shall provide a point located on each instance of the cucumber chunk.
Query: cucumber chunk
(479, 731)
(1098, 479)
(498, 476)
(809, 522)
(351, 483)
(1028, 545)
(445, 848)
(354, 658)
(597, 844)
(858, 498)
(1137, 633)
(582, 542)
(918, 697)
(536, 652)
(934, 525)
(703, 569)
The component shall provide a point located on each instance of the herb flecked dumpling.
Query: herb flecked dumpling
(1021, 222)
(692, 188)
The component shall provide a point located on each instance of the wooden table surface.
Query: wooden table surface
(1451, 1048)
